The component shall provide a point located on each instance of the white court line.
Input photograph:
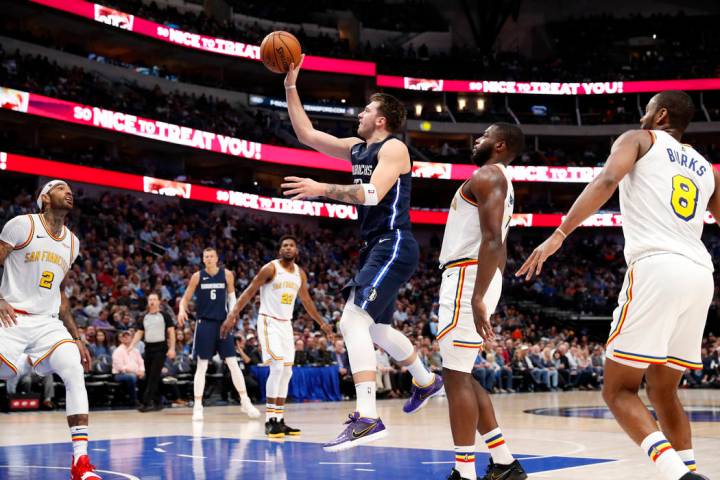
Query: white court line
(364, 469)
(251, 461)
(99, 449)
(344, 463)
(159, 450)
(436, 463)
(190, 456)
(125, 475)
(164, 444)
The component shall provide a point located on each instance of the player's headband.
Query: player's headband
(46, 189)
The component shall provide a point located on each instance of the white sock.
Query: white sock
(499, 450)
(79, 436)
(269, 411)
(465, 462)
(197, 404)
(666, 459)
(420, 374)
(366, 399)
(688, 458)
(279, 412)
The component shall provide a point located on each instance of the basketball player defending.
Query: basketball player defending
(665, 189)
(472, 258)
(280, 282)
(215, 298)
(382, 176)
(37, 251)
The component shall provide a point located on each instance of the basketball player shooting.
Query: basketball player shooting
(35, 316)
(665, 189)
(382, 178)
(215, 298)
(472, 258)
(280, 283)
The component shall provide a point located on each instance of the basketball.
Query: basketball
(278, 50)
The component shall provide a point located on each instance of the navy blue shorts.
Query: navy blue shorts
(208, 341)
(386, 264)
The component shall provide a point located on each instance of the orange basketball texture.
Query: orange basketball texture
(278, 50)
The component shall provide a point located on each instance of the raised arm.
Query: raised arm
(187, 296)
(489, 187)
(393, 161)
(265, 275)
(310, 307)
(304, 130)
(626, 150)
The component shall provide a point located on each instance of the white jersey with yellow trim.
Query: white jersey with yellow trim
(37, 265)
(663, 201)
(462, 232)
(277, 298)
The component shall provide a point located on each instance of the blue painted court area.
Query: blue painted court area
(204, 458)
(695, 413)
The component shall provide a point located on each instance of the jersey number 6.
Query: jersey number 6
(46, 279)
(684, 197)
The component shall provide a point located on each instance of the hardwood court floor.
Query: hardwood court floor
(227, 445)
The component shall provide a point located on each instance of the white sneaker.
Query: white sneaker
(248, 408)
(197, 415)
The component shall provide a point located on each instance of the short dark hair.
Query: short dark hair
(288, 237)
(679, 105)
(512, 135)
(392, 109)
(210, 249)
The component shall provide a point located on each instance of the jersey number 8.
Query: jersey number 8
(46, 279)
(684, 197)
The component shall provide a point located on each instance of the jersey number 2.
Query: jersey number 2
(684, 197)
(46, 279)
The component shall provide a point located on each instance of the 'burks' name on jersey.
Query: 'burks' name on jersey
(682, 159)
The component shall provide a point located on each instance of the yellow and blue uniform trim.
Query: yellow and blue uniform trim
(456, 307)
(684, 363)
(625, 308)
(464, 344)
(658, 449)
(495, 441)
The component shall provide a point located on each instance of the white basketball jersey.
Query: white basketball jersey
(462, 232)
(663, 201)
(35, 268)
(277, 298)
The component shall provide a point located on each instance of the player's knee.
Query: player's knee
(6, 373)
(276, 367)
(287, 373)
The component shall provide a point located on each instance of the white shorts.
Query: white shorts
(661, 313)
(459, 340)
(36, 335)
(276, 339)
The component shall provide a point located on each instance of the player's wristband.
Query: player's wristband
(289, 87)
(371, 196)
(559, 230)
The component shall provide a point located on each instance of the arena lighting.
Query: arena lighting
(462, 103)
(62, 110)
(107, 178)
(164, 33)
(418, 109)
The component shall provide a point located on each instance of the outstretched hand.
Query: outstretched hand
(292, 74)
(302, 188)
(533, 265)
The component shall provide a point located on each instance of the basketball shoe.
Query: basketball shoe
(248, 408)
(693, 476)
(288, 430)
(496, 471)
(274, 429)
(359, 431)
(83, 470)
(455, 475)
(421, 395)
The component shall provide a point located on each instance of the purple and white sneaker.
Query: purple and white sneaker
(421, 395)
(359, 431)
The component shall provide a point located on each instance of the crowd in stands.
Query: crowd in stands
(588, 48)
(132, 247)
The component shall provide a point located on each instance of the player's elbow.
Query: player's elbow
(492, 243)
(607, 181)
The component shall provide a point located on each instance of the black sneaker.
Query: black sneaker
(274, 429)
(496, 471)
(693, 476)
(455, 475)
(288, 430)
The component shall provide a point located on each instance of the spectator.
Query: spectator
(301, 356)
(101, 345)
(384, 384)
(128, 366)
(25, 379)
(503, 372)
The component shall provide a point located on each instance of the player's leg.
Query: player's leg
(463, 408)
(203, 350)
(287, 340)
(620, 392)
(273, 411)
(238, 380)
(63, 359)
(364, 425)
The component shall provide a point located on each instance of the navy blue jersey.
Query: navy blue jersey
(211, 296)
(393, 211)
